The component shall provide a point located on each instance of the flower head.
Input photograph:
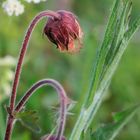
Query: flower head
(34, 1)
(7, 74)
(64, 31)
(12, 7)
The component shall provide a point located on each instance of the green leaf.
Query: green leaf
(29, 119)
(117, 37)
(87, 135)
(121, 27)
(102, 52)
(132, 29)
(111, 62)
(110, 131)
(105, 81)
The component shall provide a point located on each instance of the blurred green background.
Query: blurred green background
(43, 60)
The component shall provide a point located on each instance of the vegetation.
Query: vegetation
(85, 76)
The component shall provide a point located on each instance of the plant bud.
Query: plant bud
(52, 137)
(64, 31)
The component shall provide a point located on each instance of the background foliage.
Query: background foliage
(73, 71)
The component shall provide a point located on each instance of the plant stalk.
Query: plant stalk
(19, 67)
(63, 102)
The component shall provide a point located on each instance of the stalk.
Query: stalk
(22, 53)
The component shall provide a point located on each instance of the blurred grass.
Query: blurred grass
(73, 71)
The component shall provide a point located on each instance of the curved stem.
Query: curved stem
(23, 51)
(63, 100)
(19, 66)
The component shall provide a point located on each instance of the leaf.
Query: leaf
(121, 27)
(110, 131)
(133, 28)
(101, 53)
(29, 119)
(117, 37)
(87, 135)
(105, 81)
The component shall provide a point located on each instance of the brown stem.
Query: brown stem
(19, 66)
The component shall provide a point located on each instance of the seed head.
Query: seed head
(64, 31)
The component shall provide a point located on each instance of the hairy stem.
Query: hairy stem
(63, 100)
(23, 51)
(19, 65)
(9, 128)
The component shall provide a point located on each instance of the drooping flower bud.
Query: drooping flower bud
(51, 137)
(64, 31)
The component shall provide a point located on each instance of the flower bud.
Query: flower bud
(52, 137)
(64, 31)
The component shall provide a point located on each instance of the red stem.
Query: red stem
(19, 66)
(23, 51)
(9, 128)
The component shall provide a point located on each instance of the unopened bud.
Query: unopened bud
(64, 31)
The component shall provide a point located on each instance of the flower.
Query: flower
(12, 7)
(7, 75)
(64, 31)
(7, 61)
(35, 1)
